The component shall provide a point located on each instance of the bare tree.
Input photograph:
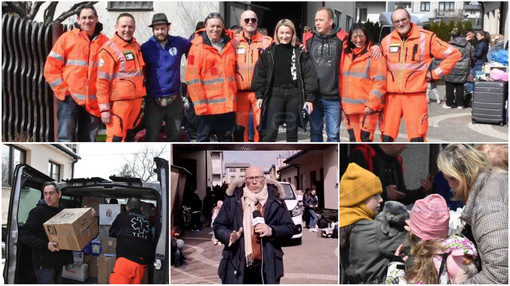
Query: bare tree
(141, 164)
(29, 10)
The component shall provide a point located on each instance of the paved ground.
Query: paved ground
(315, 261)
(445, 125)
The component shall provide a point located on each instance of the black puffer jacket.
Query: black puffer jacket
(262, 82)
(230, 217)
(34, 235)
(459, 73)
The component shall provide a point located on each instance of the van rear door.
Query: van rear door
(161, 265)
(25, 193)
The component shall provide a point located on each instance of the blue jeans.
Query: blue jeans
(330, 110)
(470, 86)
(313, 218)
(52, 275)
(75, 124)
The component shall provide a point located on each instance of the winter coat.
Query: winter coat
(366, 257)
(460, 72)
(486, 211)
(134, 236)
(454, 249)
(230, 218)
(481, 53)
(33, 234)
(262, 82)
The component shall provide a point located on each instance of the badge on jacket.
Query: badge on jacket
(241, 50)
(394, 48)
(129, 55)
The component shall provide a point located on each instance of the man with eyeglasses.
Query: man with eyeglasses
(409, 51)
(252, 224)
(249, 45)
(47, 258)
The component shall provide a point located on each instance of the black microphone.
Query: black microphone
(257, 218)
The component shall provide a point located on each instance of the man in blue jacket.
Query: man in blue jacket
(162, 54)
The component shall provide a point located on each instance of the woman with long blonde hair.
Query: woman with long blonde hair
(285, 83)
(484, 189)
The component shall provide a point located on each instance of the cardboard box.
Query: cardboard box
(106, 264)
(72, 228)
(78, 256)
(92, 202)
(92, 261)
(108, 213)
(109, 245)
(77, 272)
(104, 232)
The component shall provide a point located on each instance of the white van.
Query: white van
(295, 207)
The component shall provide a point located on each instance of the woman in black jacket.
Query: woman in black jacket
(285, 83)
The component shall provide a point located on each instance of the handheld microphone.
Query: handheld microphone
(257, 218)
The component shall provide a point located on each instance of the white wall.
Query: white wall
(331, 172)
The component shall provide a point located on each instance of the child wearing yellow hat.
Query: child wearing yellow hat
(364, 255)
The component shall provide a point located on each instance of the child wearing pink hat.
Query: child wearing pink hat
(438, 259)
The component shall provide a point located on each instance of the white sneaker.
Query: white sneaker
(313, 229)
(446, 106)
(439, 101)
(460, 107)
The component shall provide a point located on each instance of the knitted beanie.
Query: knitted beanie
(357, 185)
(430, 218)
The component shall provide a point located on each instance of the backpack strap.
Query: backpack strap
(442, 268)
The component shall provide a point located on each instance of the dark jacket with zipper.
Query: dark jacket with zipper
(262, 82)
(134, 236)
(33, 234)
(230, 217)
(460, 72)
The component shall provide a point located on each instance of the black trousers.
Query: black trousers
(284, 106)
(155, 115)
(253, 274)
(222, 125)
(454, 91)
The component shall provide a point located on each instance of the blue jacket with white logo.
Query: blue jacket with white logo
(163, 73)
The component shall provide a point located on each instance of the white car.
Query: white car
(295, 207)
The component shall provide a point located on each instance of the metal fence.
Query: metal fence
(28, 104)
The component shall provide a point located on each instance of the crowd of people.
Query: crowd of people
(430, 244)
(242, 85)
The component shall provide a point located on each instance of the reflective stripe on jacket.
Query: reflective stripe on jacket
(210, 76)
(408, 60)
(364, 82)
(71, 68)
(120, 72)
(247, 55)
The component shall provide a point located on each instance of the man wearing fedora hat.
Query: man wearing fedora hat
(162, 54)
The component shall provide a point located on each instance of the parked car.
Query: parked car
(27, 191)
(295, 207)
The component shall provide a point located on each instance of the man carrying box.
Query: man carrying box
(47, 258)
(134, 237)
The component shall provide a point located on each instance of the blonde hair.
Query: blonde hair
(497, 154)
(287, 23)
(423, 269)
(464, 163)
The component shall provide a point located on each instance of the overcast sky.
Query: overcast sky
(263, 159)
(106, 159)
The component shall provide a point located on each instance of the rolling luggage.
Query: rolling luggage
(489, 102)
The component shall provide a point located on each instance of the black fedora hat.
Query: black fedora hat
(159, 18)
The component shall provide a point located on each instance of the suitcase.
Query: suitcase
(489, 102)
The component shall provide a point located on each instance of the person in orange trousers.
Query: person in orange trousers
(409, 51)
(120, 81)
(363, 85)
(134, 251)
(249, 45)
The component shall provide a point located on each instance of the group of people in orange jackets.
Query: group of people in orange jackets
(280, 81)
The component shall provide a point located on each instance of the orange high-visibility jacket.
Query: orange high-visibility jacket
(247, 55)
(120, 75)
(210, 76)
(408, 60)
(364, 82)
(71, 68)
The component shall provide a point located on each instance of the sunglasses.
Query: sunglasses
(247, 20)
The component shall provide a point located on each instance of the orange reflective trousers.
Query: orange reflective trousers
(414, 109)
(244, 101)
(126, 114)
(361, 127)
(126, 271)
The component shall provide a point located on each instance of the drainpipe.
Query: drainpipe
(298, 177)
